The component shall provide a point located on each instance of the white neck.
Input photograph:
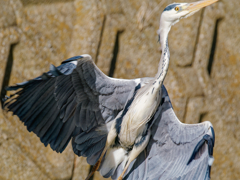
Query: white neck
(165, 57)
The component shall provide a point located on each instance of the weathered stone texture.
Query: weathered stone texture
(40, 34)
(7, 15)
(81, 169)
(203, 80)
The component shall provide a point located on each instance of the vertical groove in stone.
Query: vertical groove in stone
(100, 39)
(185, 111)
(39, 2)
(73, 168)
(115, 54)
(7, 73)
(213, 48)
(201, 117)
(198, 34)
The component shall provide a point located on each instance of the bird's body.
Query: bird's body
(132, 125)
(114, 121)
(141, 110)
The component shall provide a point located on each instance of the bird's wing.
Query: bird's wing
(175, 150)
(73, 100)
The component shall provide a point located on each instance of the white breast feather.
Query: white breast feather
(113, 158)
(140, 112)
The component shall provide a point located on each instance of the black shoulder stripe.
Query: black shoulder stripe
(72, 59)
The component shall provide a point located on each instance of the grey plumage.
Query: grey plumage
(127, 128)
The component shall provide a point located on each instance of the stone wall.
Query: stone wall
(203, 79)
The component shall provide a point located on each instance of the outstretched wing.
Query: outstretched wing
(71, 100)
(175, 150)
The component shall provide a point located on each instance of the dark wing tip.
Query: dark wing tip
(196, 149)
(213, 135)
(13, 88)
(210, 141)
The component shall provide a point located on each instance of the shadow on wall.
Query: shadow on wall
(33, 2)
(7, 74)
(213, 49)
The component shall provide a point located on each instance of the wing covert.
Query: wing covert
(71, 99)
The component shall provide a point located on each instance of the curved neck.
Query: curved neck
(165, 57)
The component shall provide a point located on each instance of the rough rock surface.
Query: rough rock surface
(203, 79)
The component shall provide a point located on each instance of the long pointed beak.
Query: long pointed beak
(195, 6)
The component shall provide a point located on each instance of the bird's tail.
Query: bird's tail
(113, 158)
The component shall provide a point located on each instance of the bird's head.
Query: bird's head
(176, 11)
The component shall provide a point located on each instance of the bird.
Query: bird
(126, 128)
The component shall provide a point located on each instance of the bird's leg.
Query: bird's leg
(139, 146)
(110, 139)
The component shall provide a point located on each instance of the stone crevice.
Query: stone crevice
(115, 54)
(73, 168)
(100, 39)
(213, 48)
(201, 117)
(197, 37)
(7, 73)
(38, 2)
(185, 110)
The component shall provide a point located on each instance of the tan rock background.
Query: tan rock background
(203, 79)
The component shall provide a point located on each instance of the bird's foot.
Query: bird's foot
(95, 168)
(209, 139)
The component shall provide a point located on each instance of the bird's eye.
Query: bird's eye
(176, 8)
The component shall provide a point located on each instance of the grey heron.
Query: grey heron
(127, 129)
